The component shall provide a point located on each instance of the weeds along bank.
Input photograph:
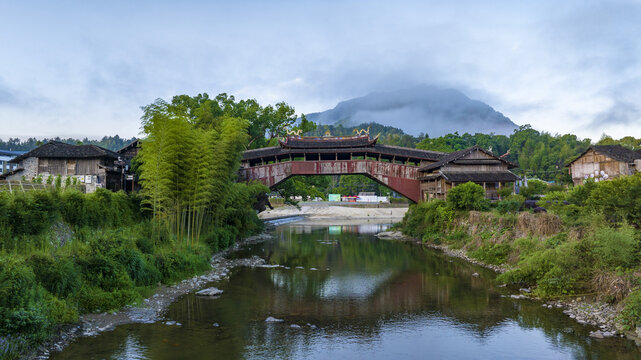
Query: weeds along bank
(587, 243)
(64, 253)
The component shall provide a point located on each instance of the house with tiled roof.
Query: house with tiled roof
(602, 162)
(92, 165)
(473, 164)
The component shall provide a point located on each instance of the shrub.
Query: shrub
(179, 263)
(631, 314)
(508, 206)
(94, 299)
(468, 196)
(73, 208)
(219, 238)
(534, 189)
(21, 306)
(615, 247)
(59, 276)
(505, 191)
(618, 199)
(492, 253)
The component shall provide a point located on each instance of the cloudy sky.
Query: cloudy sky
(82, 68)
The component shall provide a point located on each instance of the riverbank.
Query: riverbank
(393, 212)
(578, 266)
(581, 309)
(151, 309)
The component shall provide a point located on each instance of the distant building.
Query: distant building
(130, 150)
(5, 158)
(127, 153)
(92, 165)
(472, 164)
(602, 162)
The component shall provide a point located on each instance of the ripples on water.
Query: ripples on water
(367, 299)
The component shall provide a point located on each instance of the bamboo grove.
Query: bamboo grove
(188, 170)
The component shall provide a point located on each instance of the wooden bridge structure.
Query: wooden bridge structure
(393, 166)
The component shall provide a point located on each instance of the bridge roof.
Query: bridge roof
(374, 149)
(327, 142)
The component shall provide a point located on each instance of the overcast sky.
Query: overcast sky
(84, 68)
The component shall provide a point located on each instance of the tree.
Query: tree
(188, 169)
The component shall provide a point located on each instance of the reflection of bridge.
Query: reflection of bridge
(392, 166)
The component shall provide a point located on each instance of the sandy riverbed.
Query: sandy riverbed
(320, 211)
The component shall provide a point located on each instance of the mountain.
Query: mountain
(420, 109)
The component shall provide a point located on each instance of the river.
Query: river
(343, 294)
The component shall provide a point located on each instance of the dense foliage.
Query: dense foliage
(63, 252)
(587, 243)
(188, 172)
(264, 124)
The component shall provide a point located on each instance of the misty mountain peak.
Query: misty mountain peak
(419, 109)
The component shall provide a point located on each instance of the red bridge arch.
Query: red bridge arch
(392, 166)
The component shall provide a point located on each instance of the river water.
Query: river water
(353, 297)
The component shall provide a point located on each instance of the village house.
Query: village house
(5, 157)
(472, 164)
(127, 153)
(602, 162)
(91, 165)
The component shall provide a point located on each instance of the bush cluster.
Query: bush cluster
(113, 256)
(23, 215)
(468, 196)
(102, 272)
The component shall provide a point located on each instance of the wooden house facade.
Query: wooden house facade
(602, 162)
(91, 165)
(473, 164)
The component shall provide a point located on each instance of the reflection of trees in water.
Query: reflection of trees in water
(402, 284)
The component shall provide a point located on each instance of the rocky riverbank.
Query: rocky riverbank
(584, 311)
(151, 309)
(458, 253)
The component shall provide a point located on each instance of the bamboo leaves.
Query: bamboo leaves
(188, 172)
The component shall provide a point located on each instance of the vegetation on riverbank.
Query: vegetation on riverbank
(67, 253)
(587, 243)
(64, 253)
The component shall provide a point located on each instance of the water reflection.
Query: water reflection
(348, 295)
(132, 349)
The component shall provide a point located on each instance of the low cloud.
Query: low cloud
(620, 113)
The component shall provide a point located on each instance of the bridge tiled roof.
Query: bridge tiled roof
(321, 142)
(381, 149)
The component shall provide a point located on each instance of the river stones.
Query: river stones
(596, 334)
(212, 291)
(273, 319)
